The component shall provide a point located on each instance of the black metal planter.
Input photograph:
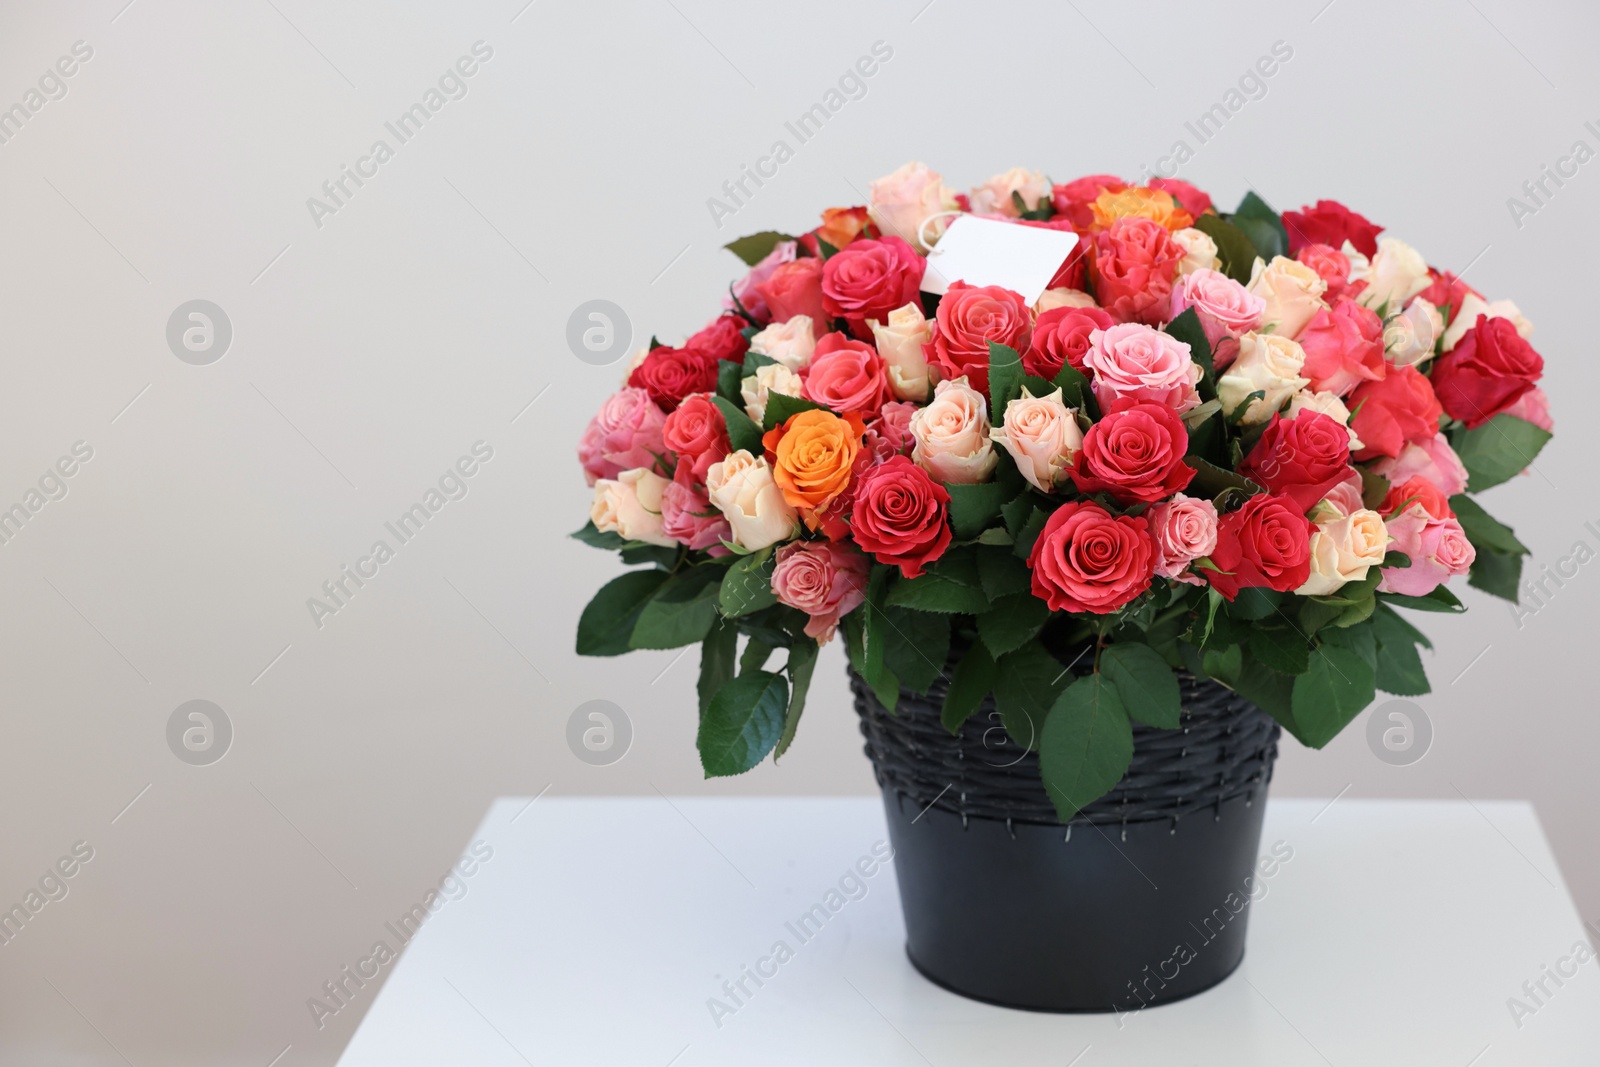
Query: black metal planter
(1141, 899)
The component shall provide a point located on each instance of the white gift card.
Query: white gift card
(987, 252)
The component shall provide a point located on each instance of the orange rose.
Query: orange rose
(1153, 204)
(841, 225)
(812, 456)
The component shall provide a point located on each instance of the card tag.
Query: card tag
(987, 252)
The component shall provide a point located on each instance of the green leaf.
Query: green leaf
(937, 591)
(608, 621)
(1399, 669)
(742, 723)
(1234, 249)
(636, 552)
(915, 646)
(756, 247)
(1029, 533)
(1338, 684)
(747, 587)
(1498, 574)
(717, 655)
(1005, 379)
(973, 679)
(1014, 620)
(1282, 649)
(1483, 530)
(729, 377)
(743, 433)
(757, 651)
(802, 663)
(1255, 602)
(610, 539)
(1497, 450)
(1001, 573)
(1146, 685)
(1262, 225)
(874, 642)
(1211, 481)
(1271, 691)
(1224, 664)
(1441, 599)
(1026, 684)
(1086, 747)
(682, 612)
(1075, 391)
(972, 507)
(781, 407)
(1186, 328)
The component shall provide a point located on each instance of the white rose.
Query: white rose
(1062, 298)
(993, 197)
(769, 378)
(1199, 251)
(1408, 337)
(1268, 363)
(1397, 273)
(952, 435)
(1292, 290)
(790, 343)
(1506, 309)
(1343, 550)
(1327, 404)
(630, 505)
(900, 344)
(741, 487)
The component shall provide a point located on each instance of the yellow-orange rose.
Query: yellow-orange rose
(813, 454)
(1154, 204)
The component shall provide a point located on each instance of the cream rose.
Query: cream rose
(1408, 337)
(1343, 550)
(1199, 251)
(1267, 363)
(790, 343)
(1042, 435)
(1506, 309)
(1472, 306)
(1293, 292)
(993, 197)
(741, 487)
(900, 344)
(1062, 298)
(769, 378)
(630, 505)
(1327, 404)
(1396, 274)
(899, 203)
(952, 435)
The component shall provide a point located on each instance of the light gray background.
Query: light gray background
(369, 353)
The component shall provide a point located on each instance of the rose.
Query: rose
(868, 280)
(1224, 307)
(969, 317)
(1533, 406)
(1267, 542)
(1324, 404)
(722, 338)
(741, 487)
(670, 374)
(900, 202)
(952, 435)
(1075, 199)
(1487, 372)
(1398, 272)
(796, 289)
(890, 433)
(630, 506)
(1152, 204)
(1086, 559)
(1185, 529)
(1342, 499)
(1388, 413)
(1193, 200)
(625, 433)
(1329, 222)
(688, 517)
(1416, 492)
(1331, 265)
(825, 580)
(1199, 251)
(1432, 459)
(812, 457)
(1463, 317)
(1344, 347)
(1061, 338)
(1300, 458)
(846, 375)
(1425, 530)
(1062, 297)
(769, 378)
(1447, 290)
(840, 226)
(1134, 264)
(1408, 338)
(790, 342)
(698, 433)
(745, 289)
(900, 342)
(1131, 361)
(993, 197)
(1343, 550)
(1292, 291)
(901, 516)
(1267, 364)
(1135, 453)
(1042, 436)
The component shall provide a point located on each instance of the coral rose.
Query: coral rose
(846, 375)
(901, 516)
(868, 280)
(1133, 267)
(1400, 408)
(1301, 458)
(697, 433)
(1266, 543)
(1074, 201)
(1344, 347)
(796, 289)
(1061, 339)
(1135, 453)
(1087, 559)
(969, 317)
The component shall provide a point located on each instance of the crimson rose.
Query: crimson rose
(1301, 458)
(1328, 222)
(1135, 453)
(1060, 338)
(1486, 372)
(900, 515)
(1265, 543)
(670, 374)
(1087, 559)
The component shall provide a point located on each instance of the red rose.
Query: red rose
(900, 515)
(1329, 222)
(1344, 347)
(1075, 199)
(1300, 458)
(723, 339)
(1394, 411)
(969, 318)
(1265, 543)
(1192, 200)
(670, 374)
(1135, 453)
(1060, 338)
(1486, 372)
(846, 375)
(1447, 293)
(1331, 265)
(698, 433)
(1133, 267)
(1087, 559)
(868, 280)
(796, 289)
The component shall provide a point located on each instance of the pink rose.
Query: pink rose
(796, 289)
(1344, 347)
(747, 288)
(1224, 307)
(1061, 338)
(1184, 528)
(1134, 264)
(869, 279)
(697, 432)
(901, 202)
(1533, 406)
(624, 435)
(969, 317)
(687, 516)
(890, 433)
(846, 375)
(1438, 550)
(1331, 265)
(1431, 458)
(824, 579)
(1140, 363)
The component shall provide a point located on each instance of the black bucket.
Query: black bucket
(1143, 898)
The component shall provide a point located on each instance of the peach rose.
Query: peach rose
(1199, 251)
(953, 435)
(1042, 435)
(900, 342)
(790, 342)
(993, 197)
(900, 202)
(742, 488)
(813, 454)
(1267, 363)
(630, 505)
(1293, 292)
(1344, 550)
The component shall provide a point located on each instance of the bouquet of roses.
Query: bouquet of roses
(1238, 444)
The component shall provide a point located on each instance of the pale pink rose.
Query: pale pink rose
(953, 435)
(1042, 435)
(1533, 406)
(630, 505)
(825, 579)
(1433, 459)
(790, 343)
(1292, 291)
(900, 202)
(688, 517)
(1224, 307)
(993, 197)
(890, 433)
(769, 378)
(1185, 529)
(741, 487)
(625, 434)
(1343, 550)
(1132, 361)
(900, 342)
(1438, 550)
(745, 288)
(1343, 499)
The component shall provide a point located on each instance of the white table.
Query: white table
(600, 929)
